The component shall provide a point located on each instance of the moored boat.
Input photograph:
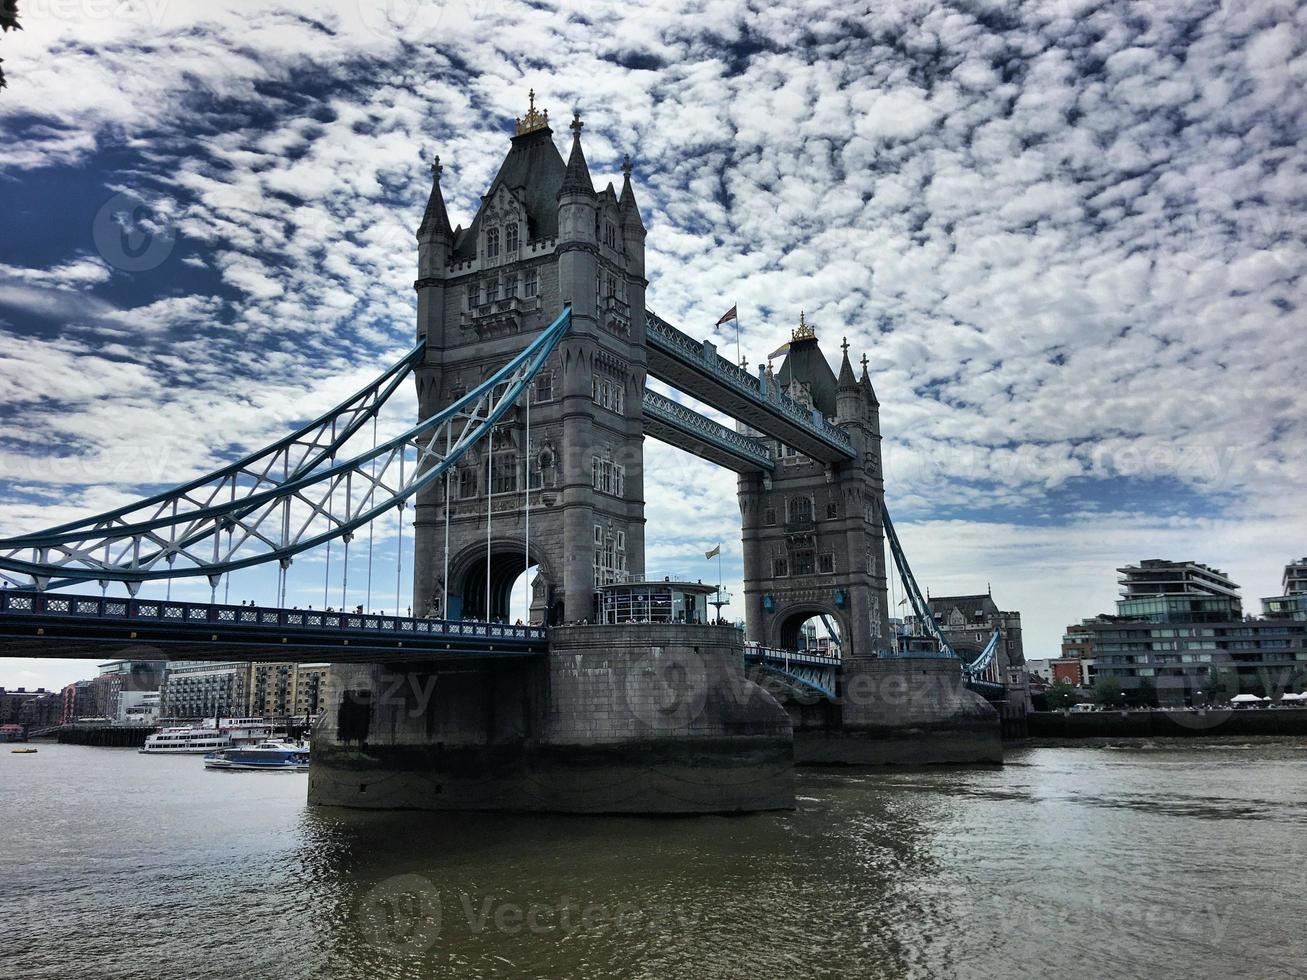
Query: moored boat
(266, 756)
(209, 736)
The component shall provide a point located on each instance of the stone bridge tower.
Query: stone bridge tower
(814, 543)
(542, 238)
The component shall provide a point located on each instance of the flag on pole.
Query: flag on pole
(779, 351)
(727, 317)
(714, 553)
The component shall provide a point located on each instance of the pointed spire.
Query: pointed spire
(435, 220)
(847, 381)
(865, 382)
(577, 177)
(630, 210)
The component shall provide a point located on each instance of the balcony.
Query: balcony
(498, 317)
(615, 315)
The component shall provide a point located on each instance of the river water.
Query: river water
(1180, 860)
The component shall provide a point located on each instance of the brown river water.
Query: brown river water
(1184, 859)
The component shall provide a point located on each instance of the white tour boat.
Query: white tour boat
(208, 736)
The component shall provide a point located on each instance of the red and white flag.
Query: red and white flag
(728, 316)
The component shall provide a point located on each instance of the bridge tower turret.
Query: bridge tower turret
(812, 533)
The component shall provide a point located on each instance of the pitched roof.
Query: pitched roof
(533, 170)
(968, 605)
(804, 362)
(435, 219)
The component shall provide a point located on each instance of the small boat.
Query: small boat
(268, 756)
(23, 751)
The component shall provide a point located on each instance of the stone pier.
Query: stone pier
(898, 711)
(616, 719)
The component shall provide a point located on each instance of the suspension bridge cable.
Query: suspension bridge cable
(399, 550)
(490, 507)
(526, 510)
(372, 531)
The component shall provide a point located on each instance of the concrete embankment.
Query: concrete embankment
(1163, 723)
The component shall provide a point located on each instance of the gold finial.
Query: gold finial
(803, 331)
(533, 119)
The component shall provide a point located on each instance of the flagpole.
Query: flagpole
(735, 305)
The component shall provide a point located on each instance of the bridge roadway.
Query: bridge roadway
(56, 624)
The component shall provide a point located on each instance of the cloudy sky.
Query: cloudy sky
(1068, 235)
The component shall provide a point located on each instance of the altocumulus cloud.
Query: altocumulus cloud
(1067, 234)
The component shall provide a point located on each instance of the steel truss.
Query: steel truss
(282, 500)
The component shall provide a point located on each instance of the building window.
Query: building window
(492, 243)
(803, 562)
(510, 238)
(609, 556)
(826, 564)
(769, 517)
(610, 234)
(467, 483)
(832, 511)
(544, 387)
(779, 568)
(609, 477)
(799, 510)
(532, 285)
(492, 290)
(473, 295)
(510, 287)
(503, 472)
(608, 393)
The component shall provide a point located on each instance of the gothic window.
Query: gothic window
(610, 234)
(608, 477)
(510, 287)
(492, 290)
(504, 473)
(544, 390)
(510, 238)
(467, 483)
(832, 511)
(826, 564)
(473, 294)
(492, 243)
(798, 510)
(769, 517)
(532, 285)
(779, 568)
(803, 562)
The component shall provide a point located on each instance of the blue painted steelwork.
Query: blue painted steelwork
(687, 429)
(922, 608)
(663, 337)
(811, 669)
(66, 625)
(261, 523)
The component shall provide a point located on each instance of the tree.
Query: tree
(1061, 694)
(1107, 692)
(8, 22)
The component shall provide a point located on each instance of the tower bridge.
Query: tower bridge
(533, 348)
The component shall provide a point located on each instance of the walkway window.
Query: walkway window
(510, 238)
(492, 243)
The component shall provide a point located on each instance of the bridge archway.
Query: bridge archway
(507, 564)
(809, 625)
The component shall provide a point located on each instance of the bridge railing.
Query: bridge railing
(39, 604)
(662, 333)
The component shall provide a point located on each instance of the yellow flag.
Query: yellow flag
(714, 553)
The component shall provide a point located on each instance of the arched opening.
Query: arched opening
(811, 629)
(508, 581)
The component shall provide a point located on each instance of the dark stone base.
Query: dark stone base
(687, 776)
(898, 747)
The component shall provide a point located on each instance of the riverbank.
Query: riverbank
(1168, 723)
